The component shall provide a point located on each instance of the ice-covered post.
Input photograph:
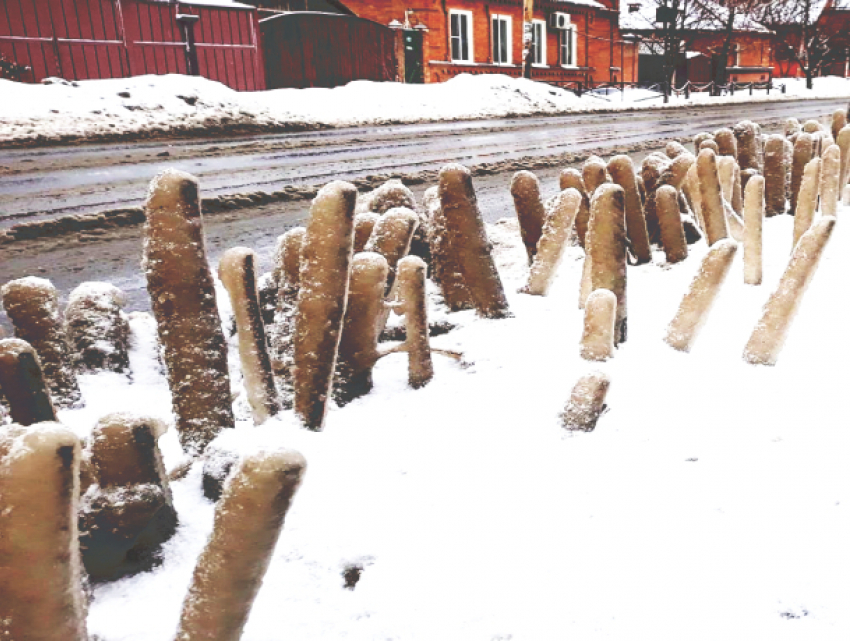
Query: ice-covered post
(32, 306)
(553, 242)
(571, 179)
(184, 304)
(446, 270)
(587, 402)
(593, 174)
(468, 242)
(803, 154)
(97, 328)
(769, 335)
(23, 384)
(391, 238)
(364, 224)
(607, 247)
(774, 175)
(727, 144)
(321, 300)
(412, 303)
(830, 176)
(237, 271)
(248, 520)
(623, 173)
(697, 303)
(525, 189)
(41, 595)
(713, 211)
(651, 169)
(746, 133)
(753, 217)
(839, 121)
(807, 199)
(843, 142)
(670, 223)
(600, 314)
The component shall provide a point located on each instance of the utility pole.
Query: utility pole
(527, 40)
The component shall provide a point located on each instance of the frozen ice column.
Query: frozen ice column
(248, 520)
(184, 304)
(587, 402)
(607, 249)
(553, 241)
(97, 329)
(412, 303)
(325, 264)
(623, 172)
(41, 596)
(600, 313)
(525, 189)
(22, 382)
(753, 219)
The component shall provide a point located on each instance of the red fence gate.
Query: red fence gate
(87, 39)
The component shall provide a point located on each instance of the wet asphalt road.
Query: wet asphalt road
(116, 256)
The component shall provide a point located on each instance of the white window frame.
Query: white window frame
(573, 29)
(469, 32)
(494, 19)
(542, 24)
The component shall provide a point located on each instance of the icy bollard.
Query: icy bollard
(358, 346)
(670, 222)
(184, 305)
(23, 383)
(127, 516)
(446, 270)
(811, 126)
(571, 179)
(839, 121)
(586, 283)
(97, 328)
(754, 207)
(525, 190)
(769, 335)
(321, 300)
(553, 242)
(237, 271)
(672, 149)
(774, 175)
(791, 126)
(593, 174)
(700, 138)
(843, 142)
(364, 224)
(248, 520)
(726, 176)
(600, 315)
(807, 199)
(391, 238)
(713, 211)
(623, 173)
(468, 242)
(651, 170)
(746, 134)
(803, 154)
(690, 188)
(40, 582)
(695, 306)
(608, 249)
(739, 182)
(267, 295)
(412, 303)
(727, 144)
(830, 176)
(393, 193)
(587, 402)
(675, 173)
(710, 144)
(32, 306)
(288, 267)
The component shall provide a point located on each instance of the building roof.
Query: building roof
(585, 3)
(700, 15)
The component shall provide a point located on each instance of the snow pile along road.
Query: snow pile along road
(710, 502)
(173, 105)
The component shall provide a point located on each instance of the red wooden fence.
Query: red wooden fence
(87, 39)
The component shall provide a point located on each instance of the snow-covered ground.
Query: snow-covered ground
(183, 105)
(711, 502)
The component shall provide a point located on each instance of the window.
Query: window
(567, 42)
(501, 40)
(538, 42)
(461, 35)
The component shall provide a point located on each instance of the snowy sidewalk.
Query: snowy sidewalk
(173, 105)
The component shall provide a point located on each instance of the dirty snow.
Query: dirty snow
(174, 105)
(711, 501)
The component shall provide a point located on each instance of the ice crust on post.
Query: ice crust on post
(571, 179)
(97, 328)
(670, 223)
(771, 331)
(651, 169)
(600, 314)
(248, 520)
(358, 347)
(746, 133)
(446, 271)
(325, 265)
(587, 402)
(468, 243)
(127, 514)
(40, 582)
(391, 238)
(807, 199)
(803, 154)
(843, 142)
(32, 305)
(713, 211)
(607, 249)
(525, 190)
(411, 289)
(23, 384)
(830, 176)
(697, 303)
(288, 266)
(775, 173)
(727, 144)
(237, 271)
(593, 174)
(623, 173)
(364, 224)
(753, 218)
(553, 242)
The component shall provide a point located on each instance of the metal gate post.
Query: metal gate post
(187, 23)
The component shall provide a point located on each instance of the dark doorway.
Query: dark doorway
(413, 72)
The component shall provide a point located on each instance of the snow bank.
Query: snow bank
(173, 105)
(710, 502)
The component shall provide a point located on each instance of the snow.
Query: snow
(172, 105)
(704, 16)
(710, 502)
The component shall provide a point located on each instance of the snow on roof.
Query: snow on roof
(585, 3)
(700, 15)
(228, 4)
